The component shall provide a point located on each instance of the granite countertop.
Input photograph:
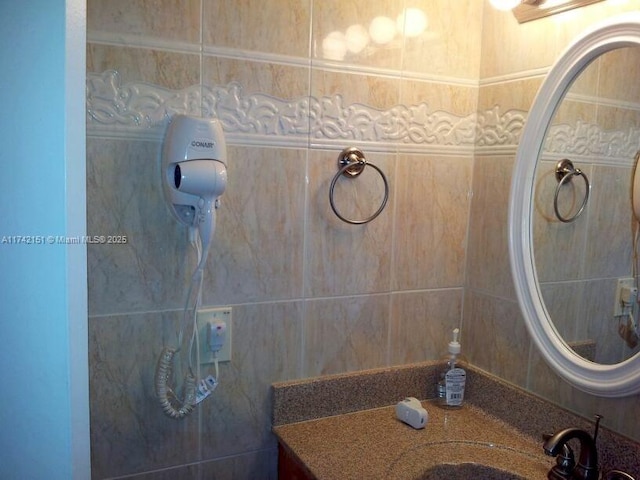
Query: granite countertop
(374, 444)
(344, 426)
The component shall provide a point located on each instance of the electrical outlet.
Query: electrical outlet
(204, 317)
(624, 288)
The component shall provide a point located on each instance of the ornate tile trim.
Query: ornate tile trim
(142, 110)
(590, 141)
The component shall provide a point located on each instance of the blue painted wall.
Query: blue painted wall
(43, 359)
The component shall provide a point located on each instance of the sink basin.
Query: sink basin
(466, 459)
(464, 471)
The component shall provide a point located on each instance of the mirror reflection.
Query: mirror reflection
(588, 267)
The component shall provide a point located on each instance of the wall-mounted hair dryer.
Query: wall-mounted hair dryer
(194, 175)
(194, 172)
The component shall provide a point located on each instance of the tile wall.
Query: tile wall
(600, 116)
(311, 295)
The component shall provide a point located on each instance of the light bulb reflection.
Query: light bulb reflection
(412, 21)
(382, 30)
(357, 38)
(334, 46)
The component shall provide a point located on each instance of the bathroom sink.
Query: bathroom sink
(468, 459)
(465, 471)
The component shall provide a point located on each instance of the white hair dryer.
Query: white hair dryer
(194, 176)
(194, 172)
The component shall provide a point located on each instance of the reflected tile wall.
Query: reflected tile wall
(559, 247)
(610, 232)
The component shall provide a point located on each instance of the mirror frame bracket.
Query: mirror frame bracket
(621, 379)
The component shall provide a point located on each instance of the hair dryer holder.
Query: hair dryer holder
(194, 174)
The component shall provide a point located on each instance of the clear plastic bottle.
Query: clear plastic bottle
(452, 376)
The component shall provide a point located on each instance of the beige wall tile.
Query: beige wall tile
(422, 324)
(281, 81)
(167, 69)
(431, 220)
(618, 67)
(543, 40)
(371, 90)
(597, 322)
(125, 198)
(127, 421)
(271, 27)
(505, 351)
(563, 303)
(175, 20)
(340, 28)
(258, 246)
(609, 236)
(345, 259)
(558, 247)
(488, 254)
(515, 95)
(345, 334)
(451, 45)
(458, 100)
(507, 45)
(267, 343)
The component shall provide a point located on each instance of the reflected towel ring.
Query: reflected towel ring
(351, 163)
(564, 174)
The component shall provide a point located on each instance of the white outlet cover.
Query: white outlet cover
(204, 317)
(617, 306)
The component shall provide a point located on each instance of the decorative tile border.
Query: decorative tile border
(616, 147)
(141, 110)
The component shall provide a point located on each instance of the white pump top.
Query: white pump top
(454, 345)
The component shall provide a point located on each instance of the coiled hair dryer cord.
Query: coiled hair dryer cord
(171, 404)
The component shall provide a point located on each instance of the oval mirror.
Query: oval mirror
(561, 270)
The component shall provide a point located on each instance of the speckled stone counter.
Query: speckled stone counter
(373, 444)
(344, 426)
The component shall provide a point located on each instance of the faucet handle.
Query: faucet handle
(565, 462)
(596, 428)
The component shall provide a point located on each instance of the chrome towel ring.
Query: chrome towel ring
(564, 174)
(351, 163)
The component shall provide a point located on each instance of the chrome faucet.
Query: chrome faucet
(587, 467)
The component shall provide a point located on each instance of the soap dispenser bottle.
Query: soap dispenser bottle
(452, 376)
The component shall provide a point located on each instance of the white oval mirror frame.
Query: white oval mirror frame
(618, 380)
